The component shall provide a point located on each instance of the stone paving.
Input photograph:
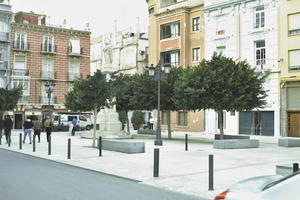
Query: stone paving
(180, 170)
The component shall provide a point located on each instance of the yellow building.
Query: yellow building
(289, 50)
(176, 38)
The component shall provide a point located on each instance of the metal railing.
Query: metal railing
(20, 72)
(24, 100)
(24, 46)
(4, 36)
(73, 76)
(48, 48)
(72, 52)
(3, 65)
(45, 100)
(48, 74)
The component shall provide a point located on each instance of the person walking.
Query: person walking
(37, 127)
(48, 126)
(28, 125)
(70, 128)
(8, 124)
(74, 122)
(1, 127)
(151, 121)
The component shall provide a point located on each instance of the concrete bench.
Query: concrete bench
(235, 144)
(289, 142)
(123, 146)
(146, 131)
(226, 137)
(284, 170)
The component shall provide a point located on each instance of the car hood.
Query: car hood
(255, 184)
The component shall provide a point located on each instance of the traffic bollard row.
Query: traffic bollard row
(211, 172)
(20, 141)
(156, 163)
(69, 148)
(100, 146)
(33, 145)
(186, 142)
(49, 146)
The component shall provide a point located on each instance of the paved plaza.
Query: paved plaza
(181, 171)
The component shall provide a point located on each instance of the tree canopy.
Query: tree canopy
(9, 98)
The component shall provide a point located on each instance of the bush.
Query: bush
(137, 119)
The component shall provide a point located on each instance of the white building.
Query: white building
(122, 51)
(246, 30)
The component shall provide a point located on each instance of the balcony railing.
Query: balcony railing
(73, 52)
(48, 74)
(24, 100)
(4, 36)
(45, 100)
(20, 72)
(73, 76)
(20, 46)
(52, 49)
(3, 65)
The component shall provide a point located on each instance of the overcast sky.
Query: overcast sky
(101, 14)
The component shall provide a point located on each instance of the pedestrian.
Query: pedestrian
(151, 121)
(8, 124)
(1, 127)
(74, 122)
(70, 128)
(37, 127)
(48, 126)
(28, 126)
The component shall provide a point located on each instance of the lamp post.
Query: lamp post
(49, 88)
(156, 72)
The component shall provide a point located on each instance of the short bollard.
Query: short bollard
(295, 167)
(33, 145)
(69, 148)
(186, 142)
(20, 141)
(49, 146)
(100, 146)
(156, 163)
(1, 139)
(211, 172)
(9, 141)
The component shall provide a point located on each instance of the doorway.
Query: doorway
(18, 121)
(294, 124)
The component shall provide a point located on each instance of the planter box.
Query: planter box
(230, 137)
(123, 146)
(289, 142)
(284, 170)
(146, 131)
(236, 144)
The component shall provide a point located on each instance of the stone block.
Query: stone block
(284, 170)
(236, 144)
(123, 146)
(230, 137)
(146, 131)
(289, 142)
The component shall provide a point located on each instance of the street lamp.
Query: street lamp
(49, 88)
(156, 72)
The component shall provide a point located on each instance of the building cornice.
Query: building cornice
(43, 28)
(225, 4)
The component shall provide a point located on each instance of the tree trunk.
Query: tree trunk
(169, 124)
(127, 122)
(220, 116)
(94, 127)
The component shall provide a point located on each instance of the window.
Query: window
(4, 35)
(165, 3)
(20, 42)
(221, 49)
(170, 30)
(74, 69)
(75, 46)
(20, 62)
(259, 17)
(196, 24)
(164, 117)
(182, 118)
(294, 60)
(260, 53)
(151, 10)
(294, 24)
(170, 58)
(24, 84)
(47, 71)
(196, 54)
(220, 25)
(48, 44)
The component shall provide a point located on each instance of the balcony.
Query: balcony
(48, 49)
(4, 36)
(3, 65)
(73, 52)
(45, 100)
(20, 46)
(24, 100)
(73, 76)
(48, 75)
(20, 72)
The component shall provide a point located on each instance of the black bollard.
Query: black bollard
(211, 172)
(49, 145)
(295, 167)
(9, 140)
(33, 145)
(156, 163)
(69, 148)
(1, 139)
(186, 142)
(100, 146)
(20, 141)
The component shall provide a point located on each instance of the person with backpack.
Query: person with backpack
(48, 127)
(37, 127)
(28, 125)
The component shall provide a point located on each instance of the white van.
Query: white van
(65, 119)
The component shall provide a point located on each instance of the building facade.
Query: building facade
(41, 54)
(246, 30)
(176, 38)
(289, 47)
(5, 41)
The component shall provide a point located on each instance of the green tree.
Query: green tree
(137, 119)
(9, 98)
(92, 93)
(221, 84)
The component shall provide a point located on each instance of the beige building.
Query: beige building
(176, 39)
(289, 51)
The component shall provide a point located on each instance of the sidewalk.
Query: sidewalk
(180, 170)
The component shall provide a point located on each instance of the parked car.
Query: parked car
(273, 187)
(63, 120)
